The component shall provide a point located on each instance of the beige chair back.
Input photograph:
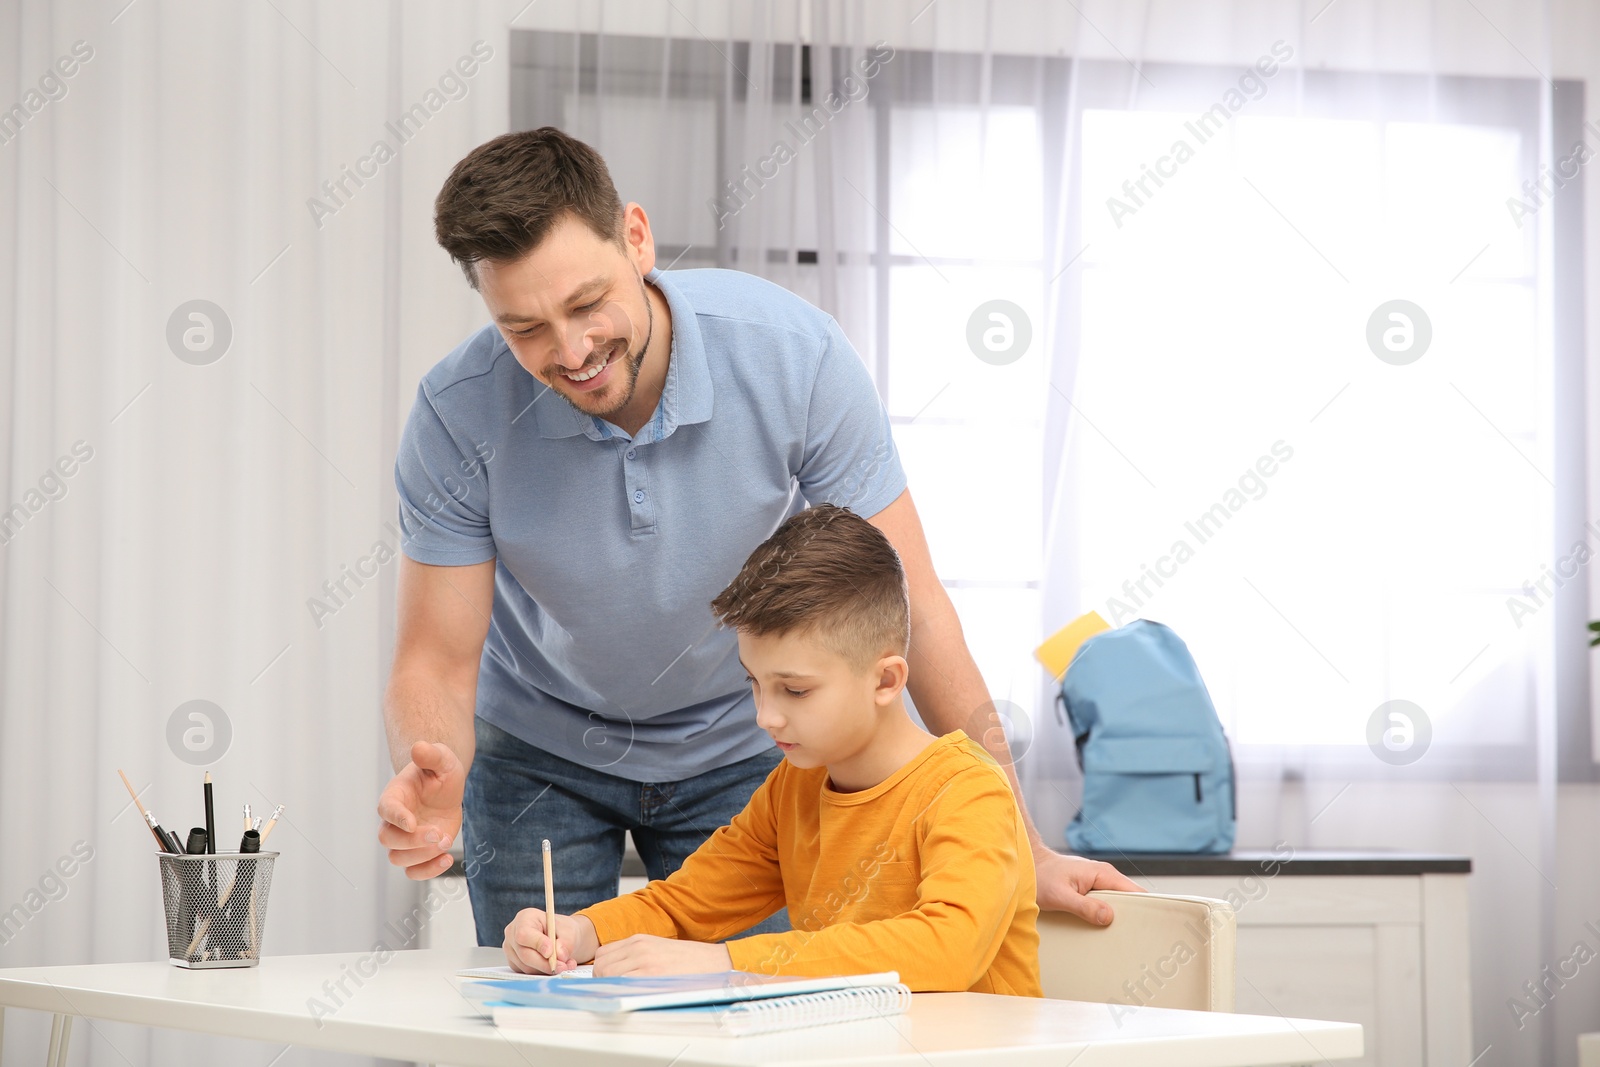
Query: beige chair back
(1161, 951)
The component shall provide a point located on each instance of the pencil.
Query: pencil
(222, 904)
(550, 905)
(211, 821)
(150, 820)
(267, 829)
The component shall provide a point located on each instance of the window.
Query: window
(1198, 372)
(1327, 530)
(971, 433)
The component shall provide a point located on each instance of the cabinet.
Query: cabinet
(1375, 938)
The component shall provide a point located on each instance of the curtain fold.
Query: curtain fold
(225, 535)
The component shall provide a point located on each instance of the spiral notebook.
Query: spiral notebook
(607, 996)
(765, 1016)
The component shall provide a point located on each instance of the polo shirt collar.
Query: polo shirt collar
(685, 397)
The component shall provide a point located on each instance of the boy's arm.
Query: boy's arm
(728, 884)
(971, 858)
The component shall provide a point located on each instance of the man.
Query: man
(577, 480)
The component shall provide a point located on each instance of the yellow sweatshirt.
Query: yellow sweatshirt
(927, 873)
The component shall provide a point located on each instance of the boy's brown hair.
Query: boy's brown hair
(828, 572)
(501, 200)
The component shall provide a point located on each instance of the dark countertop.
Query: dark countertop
(1283, 861)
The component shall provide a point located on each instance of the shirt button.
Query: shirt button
(638, 496)
(631, 453)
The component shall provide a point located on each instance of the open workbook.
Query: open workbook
(730, 1002)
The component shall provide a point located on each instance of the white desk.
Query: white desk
(411, 1010)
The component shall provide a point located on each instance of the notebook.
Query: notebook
(765, 1016)
(609, 996)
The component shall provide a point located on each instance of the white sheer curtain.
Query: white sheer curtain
(179, 561)
(1356, 153)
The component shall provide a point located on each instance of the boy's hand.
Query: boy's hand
(643, 954)
(527, 942)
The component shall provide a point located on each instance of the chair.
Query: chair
(1161, 951)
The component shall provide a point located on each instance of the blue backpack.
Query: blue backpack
(1157, 773)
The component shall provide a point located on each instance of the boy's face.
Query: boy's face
(819, 708)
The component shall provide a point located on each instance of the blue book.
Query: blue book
(764, 1016)
(611, 996)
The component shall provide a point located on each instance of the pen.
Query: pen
(250, 843)
(247, 817)
(211, 822)
(162, 840)
(550, 904)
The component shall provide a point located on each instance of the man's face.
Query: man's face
(818, 707)
(574, 314)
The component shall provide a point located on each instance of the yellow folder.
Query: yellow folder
(1059, 648)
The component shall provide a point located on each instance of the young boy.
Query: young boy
(892, 849)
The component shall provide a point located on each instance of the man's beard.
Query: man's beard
(629, 363)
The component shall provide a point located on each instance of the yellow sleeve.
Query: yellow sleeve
(968, 868)
(728, 884)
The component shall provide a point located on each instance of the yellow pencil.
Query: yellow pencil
(550, 905)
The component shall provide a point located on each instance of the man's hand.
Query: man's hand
(643, 954)
(1065, 882)
(421, 810)
(527, 942)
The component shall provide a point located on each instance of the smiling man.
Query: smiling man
(577, 480)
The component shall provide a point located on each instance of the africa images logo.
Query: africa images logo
(1252, 85)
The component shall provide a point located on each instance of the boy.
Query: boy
(892, 850)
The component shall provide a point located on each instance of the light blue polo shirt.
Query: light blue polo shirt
(602, 648)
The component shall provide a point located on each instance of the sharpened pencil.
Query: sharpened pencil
(211, 818)
(550, 904)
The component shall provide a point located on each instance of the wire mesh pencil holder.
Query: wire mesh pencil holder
(216, 907)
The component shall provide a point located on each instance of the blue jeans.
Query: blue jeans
(517, 795)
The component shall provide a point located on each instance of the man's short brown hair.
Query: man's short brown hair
(501, 200)
(827, 572)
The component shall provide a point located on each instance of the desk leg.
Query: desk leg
(60, 1034)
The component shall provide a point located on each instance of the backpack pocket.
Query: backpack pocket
(1150, 794)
